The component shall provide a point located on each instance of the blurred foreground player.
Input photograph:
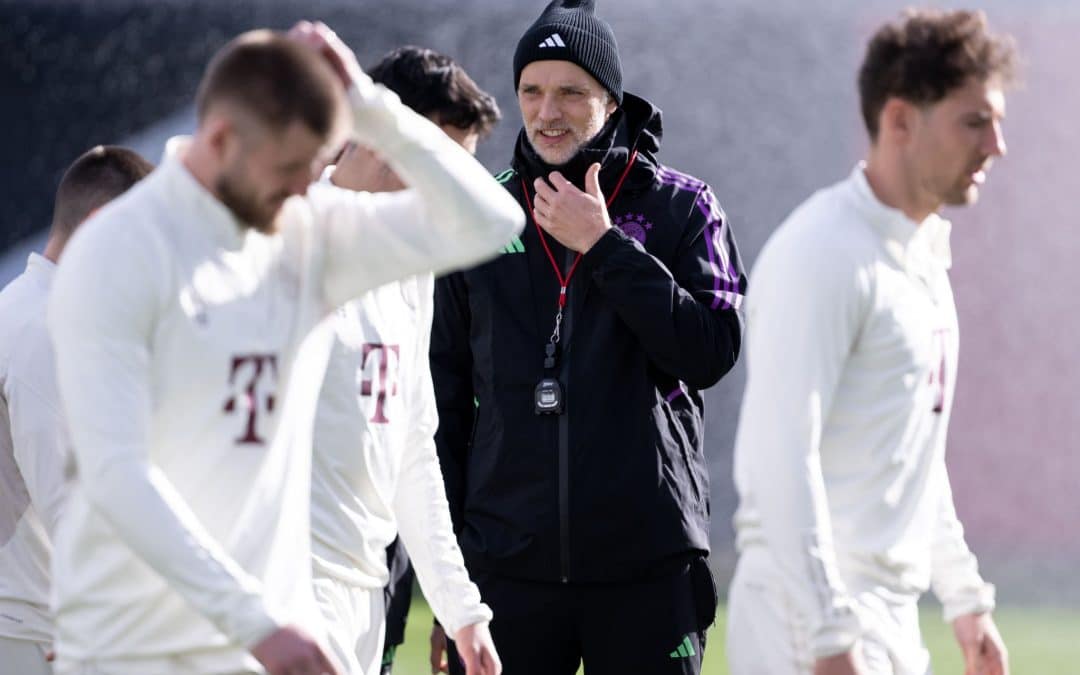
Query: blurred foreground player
(182, 319)
(375, 470)
(846, 515)
(33, 436)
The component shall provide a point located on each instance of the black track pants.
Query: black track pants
(647, 627)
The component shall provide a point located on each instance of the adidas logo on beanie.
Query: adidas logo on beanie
(569, 30)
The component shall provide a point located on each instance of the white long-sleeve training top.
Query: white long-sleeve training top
(375, 469)
(840, 452)
(189, 371)
(33, 451)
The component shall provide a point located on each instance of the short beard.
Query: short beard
(577, 150)
(244, 208)
(551, 162)
(962, 196)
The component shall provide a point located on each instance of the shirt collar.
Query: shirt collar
(40, 269)
(205, 211)
(914, 245)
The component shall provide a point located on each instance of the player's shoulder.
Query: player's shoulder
(124, 227)
(21, 310)
(413, 295)
(122, 249)
(828, 224)
(29, 359)
(17, 297)
(822, 240)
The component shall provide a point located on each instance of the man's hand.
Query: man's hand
(319, 37)
(847, 663)
(362, 170)
(438, 650)
(477, 650)
(576, 219)
(290, 651)
(984, 650)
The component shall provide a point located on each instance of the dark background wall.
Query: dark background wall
(759, 101)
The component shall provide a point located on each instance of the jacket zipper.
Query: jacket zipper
(564, 443)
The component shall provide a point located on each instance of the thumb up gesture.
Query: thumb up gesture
(574, 218)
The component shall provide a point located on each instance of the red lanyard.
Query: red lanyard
(565, 282)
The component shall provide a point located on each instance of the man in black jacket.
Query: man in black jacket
(569, 370)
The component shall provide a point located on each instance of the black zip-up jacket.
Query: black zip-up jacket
(617, 486)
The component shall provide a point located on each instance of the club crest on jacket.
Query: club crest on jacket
(634, 225)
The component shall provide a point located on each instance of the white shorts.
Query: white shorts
(23, 656)
(767, 635)
(355, 623)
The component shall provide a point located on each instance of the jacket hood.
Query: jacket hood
(635, 125)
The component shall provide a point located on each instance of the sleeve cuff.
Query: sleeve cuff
(481, 614)
(605, 246)
(979, 600)
(258, 625)
(837, 634)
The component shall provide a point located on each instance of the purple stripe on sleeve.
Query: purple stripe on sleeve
(725, 277)
(717, 298)
(717, 253)
(676, 393)
(671, 177)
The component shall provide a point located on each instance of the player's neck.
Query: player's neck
(196, 159)
(896, 187)
(53, 248)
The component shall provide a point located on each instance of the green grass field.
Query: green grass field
(1040, 642)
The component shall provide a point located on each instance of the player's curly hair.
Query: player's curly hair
(926, 54)
(434, 85)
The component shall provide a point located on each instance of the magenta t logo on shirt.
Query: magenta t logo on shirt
(256, 375)
(938, 372)
(382, 382)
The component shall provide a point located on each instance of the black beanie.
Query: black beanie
(569, 30)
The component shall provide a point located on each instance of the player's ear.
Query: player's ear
(897, 119)
(220, 133)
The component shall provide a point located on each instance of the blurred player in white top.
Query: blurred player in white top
(846, 515)
(375, 470)
(189, 369)
(33, 437)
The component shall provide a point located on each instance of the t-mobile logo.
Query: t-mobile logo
(381, 378)
(939, 372)
(257, 393)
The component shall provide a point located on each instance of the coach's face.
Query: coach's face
(563, 108)
(264, 167)
(954, 141)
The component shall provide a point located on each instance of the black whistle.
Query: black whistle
(550, 352)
